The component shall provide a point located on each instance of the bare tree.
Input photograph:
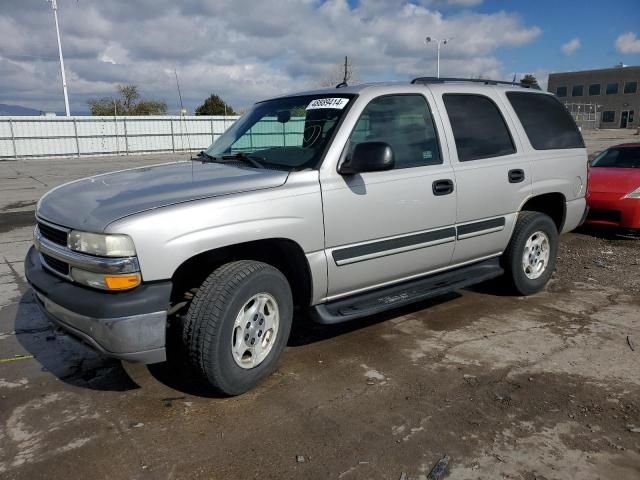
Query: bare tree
(129, 94)
(339, 73)
(127, 103)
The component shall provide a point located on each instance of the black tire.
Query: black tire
(527, 224)
(209, 323)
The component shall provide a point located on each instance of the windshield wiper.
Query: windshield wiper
(204, 157)
(253, 160)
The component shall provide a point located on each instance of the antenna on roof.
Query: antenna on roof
(183, 112)
(346, 74)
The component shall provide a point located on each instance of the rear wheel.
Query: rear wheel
(530, 258)
(238, 325)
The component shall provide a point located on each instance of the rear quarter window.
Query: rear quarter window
(546, 122)
(478, 127)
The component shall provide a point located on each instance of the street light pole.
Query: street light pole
(54, 7)
(439, 43)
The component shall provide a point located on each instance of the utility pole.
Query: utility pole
(54, 7)
(439, 43)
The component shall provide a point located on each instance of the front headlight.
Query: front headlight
(102, 245)
(634, 194)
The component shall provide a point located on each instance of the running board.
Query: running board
(387, 298)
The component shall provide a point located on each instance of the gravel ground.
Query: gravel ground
(537, 388)
(601, 259)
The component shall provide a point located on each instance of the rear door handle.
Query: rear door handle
(442, 187)
(516, 175)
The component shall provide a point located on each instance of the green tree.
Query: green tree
(127, 102)
(214, 105)
(529, 79)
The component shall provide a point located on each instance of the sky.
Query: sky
(248, 50)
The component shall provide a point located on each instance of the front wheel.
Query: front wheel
(530, 258)
(238, 325)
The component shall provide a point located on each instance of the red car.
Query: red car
(613, 192)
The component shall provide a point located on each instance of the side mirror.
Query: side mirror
(368, 157)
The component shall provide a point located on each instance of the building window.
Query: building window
(594, 89)
(577, 91)
(612, 88)
(478, 127)
(608, 116)
(630, 87)
(561, 91)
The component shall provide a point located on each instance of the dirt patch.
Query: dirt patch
(16, 205)
(11, 220)
(600, 258)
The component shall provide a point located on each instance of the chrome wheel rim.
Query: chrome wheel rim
(255, 330)
(535, 257)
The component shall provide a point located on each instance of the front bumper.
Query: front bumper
(610, 210)
(127, 325)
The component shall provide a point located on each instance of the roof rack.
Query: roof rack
(427, 80)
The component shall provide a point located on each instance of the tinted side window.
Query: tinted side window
(577, 91)
(406, 124)
(561, 91)
(546, 121)
(594, 89)
(478, 127)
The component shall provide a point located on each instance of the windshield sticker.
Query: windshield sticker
(335, 103)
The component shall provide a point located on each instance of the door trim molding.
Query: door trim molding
(414, 241)
(483, 227)
(392, 246)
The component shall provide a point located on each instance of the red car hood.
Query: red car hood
(613, 180)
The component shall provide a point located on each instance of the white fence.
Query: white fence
(24, 137)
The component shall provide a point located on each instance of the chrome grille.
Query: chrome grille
(53, 234)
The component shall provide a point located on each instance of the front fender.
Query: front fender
(166, 237)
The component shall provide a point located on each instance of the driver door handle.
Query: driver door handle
(442, 187)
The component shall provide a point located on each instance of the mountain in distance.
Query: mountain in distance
(18, 110)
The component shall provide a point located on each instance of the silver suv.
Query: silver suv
(346, 201)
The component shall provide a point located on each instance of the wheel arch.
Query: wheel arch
(553, 204)
(284, 254)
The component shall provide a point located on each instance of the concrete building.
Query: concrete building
(609, 98)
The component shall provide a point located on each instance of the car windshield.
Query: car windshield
(290, 133)
(623, 157)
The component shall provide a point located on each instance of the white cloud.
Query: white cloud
(628, 43)
(464, 3)
(571, 46)
(240, 49)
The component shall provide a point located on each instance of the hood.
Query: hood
(613, 180)
(93, 203)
